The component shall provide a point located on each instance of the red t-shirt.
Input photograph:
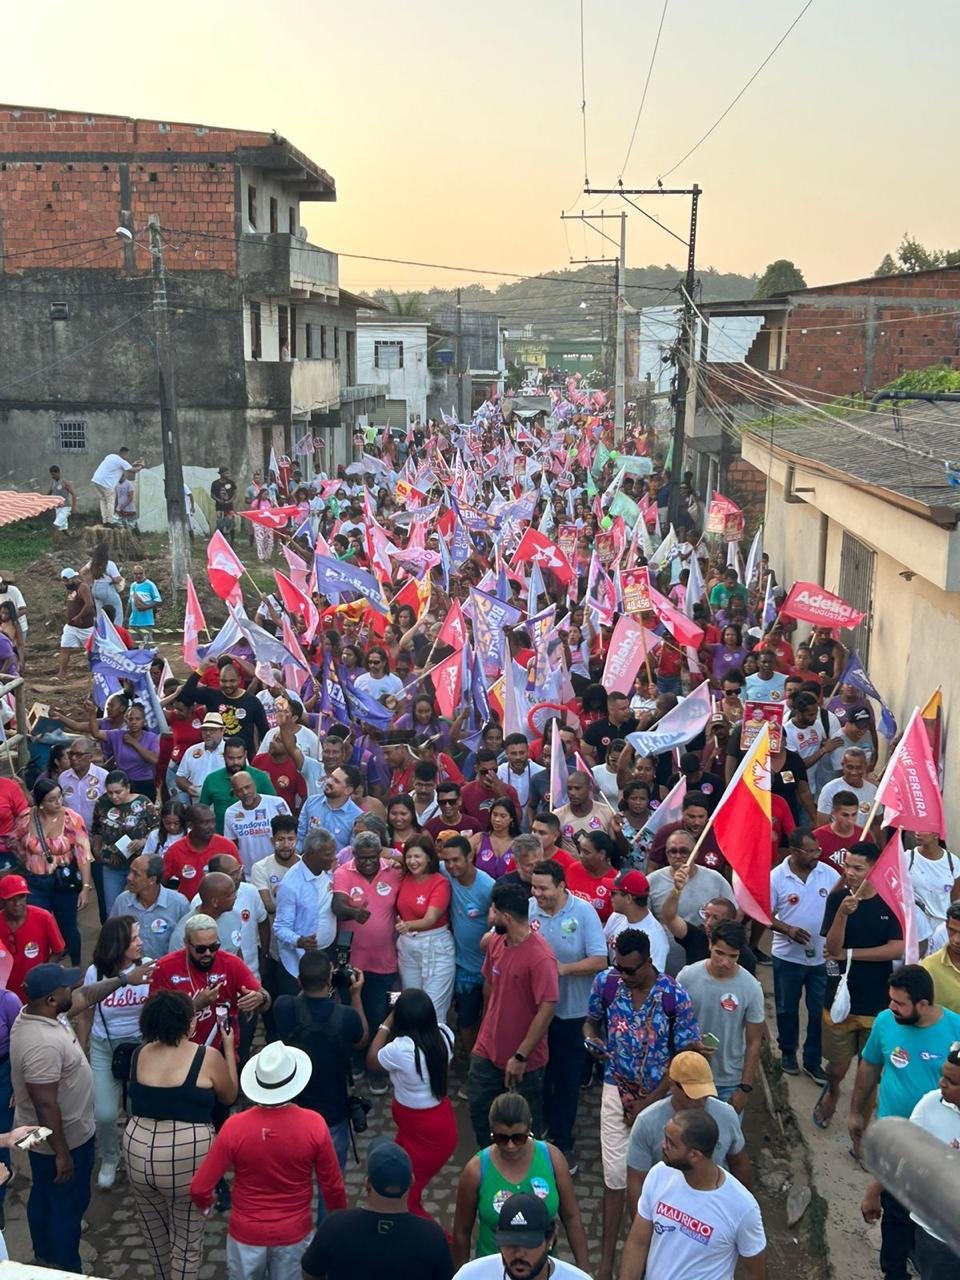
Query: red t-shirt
(782, 824)
(174, 972)
(122, 632)
(593, 889)
(476, 801)
(186, 733)
(13, 802)
(287, 781)
(784, 651)
(465, 825)
(831, 844)
(521, 978)
(37, 939)
(415, 899)
(188, 865)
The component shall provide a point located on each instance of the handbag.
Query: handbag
(840, 1009)
(121, 1056)
(66, 875)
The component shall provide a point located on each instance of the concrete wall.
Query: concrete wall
(409, 384)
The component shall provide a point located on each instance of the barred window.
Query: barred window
(72, 434)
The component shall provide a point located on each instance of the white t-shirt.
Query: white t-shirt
(266, 875)
(699, 1233)
(378, 686)
(942, 1121)
(607, 782)
(15, 596)
(491, 1268)
(520, 781)
(800, 903)
(307, 741)
(120, 1010)
(251, 912)
(651, 926)
(864, 794)
(250, 830)
(806, 739)
(398, 1058)
(932, 880)
(111, 471)
(196, 762)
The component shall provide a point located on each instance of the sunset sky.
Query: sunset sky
(454, 130)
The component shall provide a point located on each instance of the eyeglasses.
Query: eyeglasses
(629, 969)
(510, 1139)
(447, 799)
(202, 948)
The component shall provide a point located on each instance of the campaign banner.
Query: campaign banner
(627, 650)
(724, 517)
(633, 464)
(567, 540)
(624, 505)
(606, 548)
(635, 587)
(811, 603)
(755, 716)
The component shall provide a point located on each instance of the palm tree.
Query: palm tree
(408, 305)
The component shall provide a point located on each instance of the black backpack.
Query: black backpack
(318, 1038)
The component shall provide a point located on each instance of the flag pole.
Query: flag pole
(709, 826)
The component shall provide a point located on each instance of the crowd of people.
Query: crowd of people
(415, 836)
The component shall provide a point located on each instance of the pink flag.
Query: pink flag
(224, 569)
(628, 648)
(447, 681)
(193, 623)
(454, 629)
(678, 624)
(890, 876)
(299, 569)
(293, 673)
(813, 604)
(909, 789)
(557, 794)
(298, 602)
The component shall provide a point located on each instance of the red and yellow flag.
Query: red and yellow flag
(742, 826)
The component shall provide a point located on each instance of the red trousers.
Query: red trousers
(429, 1138)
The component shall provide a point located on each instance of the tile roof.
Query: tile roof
(24, 506)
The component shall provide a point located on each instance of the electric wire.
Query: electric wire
(643, 95)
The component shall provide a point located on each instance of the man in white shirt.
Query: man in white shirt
(307, 741)
(938, 1113)
(83, 783)
(853, 777)
(519, 771)
(378, 680)
(525, 1235)
(798, 891)
(693, 1219)
(424, 791)
(247, 823)
(814, 733)
(13, 595)
(108, 475)
(629, 896)
(305, 919)
(254, 928)
(199, 761)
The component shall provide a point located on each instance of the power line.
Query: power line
(583, 98)
(72, 354)
(723, 115)
(66, 244)
(646, 86)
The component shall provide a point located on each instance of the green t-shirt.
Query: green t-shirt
(910, 1059)
(721, 594)
(217, 791)
(495, 1189)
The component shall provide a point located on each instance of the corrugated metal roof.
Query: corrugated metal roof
(24, 506)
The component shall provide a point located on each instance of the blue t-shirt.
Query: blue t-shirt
(143, 617)
(910, 1058)
(574, 933)
(468, 920)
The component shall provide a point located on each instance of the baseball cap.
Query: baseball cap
(212, 720)
(859, 716)
(43, 979)
(633, 882)
(67, 574)
(524, 1222)
(389, 1170)
(13, 887)
(691, 1071)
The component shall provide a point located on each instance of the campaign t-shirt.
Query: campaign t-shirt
(833, 847)
(646, 1136)
(724, 1006)
(871, 925)
(597, 890)
(783, 781)
(910, 1059)
(250, 829)
(374, 948)
(698, 1233)
(756, 689)
(468, 919)
(187, 865)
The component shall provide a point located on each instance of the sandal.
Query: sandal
(819, 1120)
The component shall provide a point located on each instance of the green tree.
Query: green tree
(407, 304)
(912, 256)
(781, 276)
(888, 267)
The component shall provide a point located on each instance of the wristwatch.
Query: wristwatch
(520, 1057)
(744, 1087)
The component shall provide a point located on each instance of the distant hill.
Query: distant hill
(551, 302)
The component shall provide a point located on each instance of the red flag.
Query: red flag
(909, 789)
(299, 569)
(890, 876)
(454, 630)
(537, 547)
(447, 677)
(742, 826)
(193, 624)
(813, 604)
(293, 674)
(678, 624)
(224, 569)
(298, 602)
(271, 517)
(445, 523)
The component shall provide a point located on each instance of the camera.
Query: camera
(357, 1108)
(342, 973)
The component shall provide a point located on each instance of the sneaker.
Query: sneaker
(107, 1175)
(378, 1087)
(816, 1073)
(761, 957)
(788, 1064)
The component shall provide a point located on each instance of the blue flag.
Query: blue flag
(334, 577)
(489, 616)
(112, 667)
(460, 542)
(478, 691)
(855, 673)
(361, 707)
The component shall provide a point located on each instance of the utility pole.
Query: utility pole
(685, 346)
(178, 527)
(460, 417)
(619, 381)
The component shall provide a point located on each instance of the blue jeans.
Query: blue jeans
(376, 988)
(789, 980)
(62, 906)
(340, 1133)
(6, 1114)
(107, 1094)
(55, 1211)
(669, 684)
(114, 883)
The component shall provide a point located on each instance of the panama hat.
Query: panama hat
(276, 1074)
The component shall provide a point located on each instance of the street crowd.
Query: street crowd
(462, 800)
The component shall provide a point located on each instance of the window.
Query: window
(292, 220)
(293, 333)
(283, 328)
(336, 344)
(310, 338)
(351, 357)
(323, 342)
(256, 332)
(72, 434)
(252, 206)
(274, 215)
(388, 355)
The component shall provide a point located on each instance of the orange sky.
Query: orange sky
(454, 130)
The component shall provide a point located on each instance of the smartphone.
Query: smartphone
(709, 1040)
(222, 1012)
(596, 1048)
(40, 1134)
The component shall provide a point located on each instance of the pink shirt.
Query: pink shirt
(374, 947)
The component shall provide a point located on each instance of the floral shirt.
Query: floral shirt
(72, 846)
(638, 1040)
(111, 822)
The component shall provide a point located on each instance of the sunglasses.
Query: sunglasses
(510, 1139)
(629, 969)
(203, 948)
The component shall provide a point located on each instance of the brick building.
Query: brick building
(817, 344)
(265, 339)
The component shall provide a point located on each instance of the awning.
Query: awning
(24, 506)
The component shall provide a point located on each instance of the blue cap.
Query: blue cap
(389, 1170)
(44, 978)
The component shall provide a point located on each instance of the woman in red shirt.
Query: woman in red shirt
(591, 876)
(425, 949)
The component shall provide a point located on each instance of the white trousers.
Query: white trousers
(428, 960)
(262, 1262)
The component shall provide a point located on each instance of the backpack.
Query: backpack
(668, 1002)
(328, 1054)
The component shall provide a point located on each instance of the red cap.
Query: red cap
(633, 882)
(13, 887)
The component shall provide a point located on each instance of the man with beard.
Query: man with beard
(526, 1235)
(334, 810)
(909, 1043)
(694, 1218)
(217, 789)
